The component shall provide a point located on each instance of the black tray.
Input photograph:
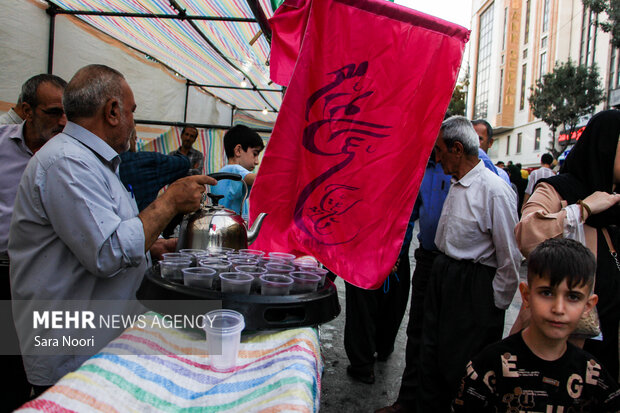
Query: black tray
(260, 312)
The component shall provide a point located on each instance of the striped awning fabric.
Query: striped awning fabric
(206, 52)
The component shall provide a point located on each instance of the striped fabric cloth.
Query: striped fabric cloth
(276, 372)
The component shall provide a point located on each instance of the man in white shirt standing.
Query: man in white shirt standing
(543, 172)
(475, 276)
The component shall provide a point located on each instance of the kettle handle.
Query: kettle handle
(225, 175)
(234, 177)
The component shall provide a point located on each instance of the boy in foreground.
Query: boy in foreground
(242, 146)
(537, 370)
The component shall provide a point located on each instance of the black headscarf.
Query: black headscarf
(589, 166)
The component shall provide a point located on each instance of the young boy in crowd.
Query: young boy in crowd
(242, 146)
(537, 369)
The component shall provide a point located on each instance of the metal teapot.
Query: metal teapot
(216, 226)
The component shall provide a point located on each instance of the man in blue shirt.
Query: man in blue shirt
(485, 134)
(76, 235)
(145, 173)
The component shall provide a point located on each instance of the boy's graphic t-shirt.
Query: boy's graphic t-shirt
(508, 377)
(233, 191)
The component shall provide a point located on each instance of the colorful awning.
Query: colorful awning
(213, 53)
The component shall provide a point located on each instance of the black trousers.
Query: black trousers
(373, 318)
(460, 319)
(16, 390)
(419, 281)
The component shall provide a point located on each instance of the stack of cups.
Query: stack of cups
(223, 330)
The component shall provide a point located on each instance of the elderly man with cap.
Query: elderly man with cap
(76, 233)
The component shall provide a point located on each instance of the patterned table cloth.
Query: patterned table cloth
(277, 371)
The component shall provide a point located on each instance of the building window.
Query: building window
(505, 28)
(545, 18)
(524, 54)
(519, 137)
(588, 38)
(527, 21)
(543, 65)
(523, 76)
(483, 72)
(543, 43)
(508, 145)
(537, 139)
(501, 90)
(612, 69)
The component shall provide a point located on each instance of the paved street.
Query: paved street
(339, 393)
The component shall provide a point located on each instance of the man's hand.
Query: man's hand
(185, 194)
(162, 246)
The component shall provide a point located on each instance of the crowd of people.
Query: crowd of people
(70, 229)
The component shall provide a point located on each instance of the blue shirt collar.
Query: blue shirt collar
(93, 142)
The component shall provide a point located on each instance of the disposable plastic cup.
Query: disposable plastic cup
(194, 253)
(201, 277)
(282, 256)
(219, 266)
(236, 282)
(252, 253)
(304, 282)
(172, 270)
(175, 256)
(303, 263)
(223, 332)
(255, 271)
(319, 271)
(275, 284)
(231, 255)
(270, 260)
(243, 261)
(279, 268)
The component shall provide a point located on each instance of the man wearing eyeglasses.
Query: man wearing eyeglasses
(42, 107)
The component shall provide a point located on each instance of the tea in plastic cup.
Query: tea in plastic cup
(282, 256)
(201, 277)
(319, 271)
(236, 282)
(223, 330)
(275, 284)
(251, 253)
(255, 271)
(279, 268)
(194, 253)
(304, 282)
(172, 270)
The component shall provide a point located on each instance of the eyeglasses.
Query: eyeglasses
(54, 112)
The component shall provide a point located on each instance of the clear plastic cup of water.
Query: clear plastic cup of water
(220, 266)
(255, 271)
(252, 253)
(282, 256)
(279, 268)
(304, 282)
(172, 270)
(223, 332)
(236, 282)
(194, 253)
(275, 284)
(201, 277)
(319, 271)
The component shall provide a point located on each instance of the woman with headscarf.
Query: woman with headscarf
(580, 203)
(517, 179)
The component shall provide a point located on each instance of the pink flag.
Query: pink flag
(368, 85)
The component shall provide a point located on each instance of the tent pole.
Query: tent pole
(51, 11)
(186, 99)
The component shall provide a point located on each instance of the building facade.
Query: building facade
(513, 43)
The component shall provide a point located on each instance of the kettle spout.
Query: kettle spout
(253, 232)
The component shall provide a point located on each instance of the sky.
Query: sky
(455, 11)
